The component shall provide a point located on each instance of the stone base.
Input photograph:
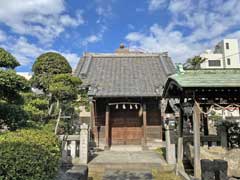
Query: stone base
(77, 173)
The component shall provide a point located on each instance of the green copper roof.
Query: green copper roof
(208, 78)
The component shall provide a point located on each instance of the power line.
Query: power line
(226, 56)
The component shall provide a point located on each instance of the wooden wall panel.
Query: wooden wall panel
(126, 127)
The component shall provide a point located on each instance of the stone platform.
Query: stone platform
(127, 164)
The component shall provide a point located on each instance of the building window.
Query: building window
(227, 45)
(228, 61)
(214, 63)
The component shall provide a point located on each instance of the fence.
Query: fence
(210, 140)
(75, 148)
(70, 148)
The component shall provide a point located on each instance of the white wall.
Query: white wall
(223, 54)
(232, 113)
(232, 53)
(211, 56)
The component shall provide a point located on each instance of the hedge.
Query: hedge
(29, 155)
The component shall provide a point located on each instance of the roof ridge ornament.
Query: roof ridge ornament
(180, 69)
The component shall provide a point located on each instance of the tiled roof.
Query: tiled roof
(207, 78)
(125, 75)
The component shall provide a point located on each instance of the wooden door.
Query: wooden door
(126, 127)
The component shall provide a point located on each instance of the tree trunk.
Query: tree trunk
(58, 103)
(50, 109)
(58, 120)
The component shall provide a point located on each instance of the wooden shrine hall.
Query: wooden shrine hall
(125, 90)
(198, 91)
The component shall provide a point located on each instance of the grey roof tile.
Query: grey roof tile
(128, 75)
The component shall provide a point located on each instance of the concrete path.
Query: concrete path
(128, 157)
(127, 175)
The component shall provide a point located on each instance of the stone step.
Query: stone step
(123, 175)
(101, 167)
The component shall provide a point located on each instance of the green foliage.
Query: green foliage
(46, 66)
(167, 175)
(29, 155)
(11, 85)
(13, 116)
(64, 87)
(214, 116)
(52, 74)
(194, 63)
(161, 151)
(84, 101)
(36, 106)
(7, 60)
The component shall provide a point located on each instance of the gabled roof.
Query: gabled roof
(204, 78)
(208, 78)
(125, 75)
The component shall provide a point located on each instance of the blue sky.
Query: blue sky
(184, 28)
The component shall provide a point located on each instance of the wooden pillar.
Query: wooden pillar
(107, 128)
(144, 125)
(92, 111)
(205, 122)
(196, 130)
(180, 137)
(161, 119)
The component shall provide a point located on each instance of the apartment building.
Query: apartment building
(225, 55)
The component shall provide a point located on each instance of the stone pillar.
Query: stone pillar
(73, 149)
(180, 137)
(170, 148)
(107, 128)
(64, 151)
(208, 169)
(223, 135)
(196, 130)
(83, 154)
(221, 168)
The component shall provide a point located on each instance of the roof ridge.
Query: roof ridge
(124, 55)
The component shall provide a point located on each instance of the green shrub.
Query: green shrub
(29, 155)
(13, 116)
(36, 106)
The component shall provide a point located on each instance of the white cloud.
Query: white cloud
(104, 8)
(206, 23)
(67, 20)
(44, 19)
(162, 40)
(2, 36)
(235, 34)
(134, 36)
(71, 57)
(206, 19)
(94, 37)
(156, 4)
(26, 52)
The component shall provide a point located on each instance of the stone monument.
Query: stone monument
(83, 154)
